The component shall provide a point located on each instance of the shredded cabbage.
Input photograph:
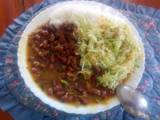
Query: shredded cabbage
(108, 45)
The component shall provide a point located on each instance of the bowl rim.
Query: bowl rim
(90, 109)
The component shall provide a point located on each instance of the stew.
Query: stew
(54, 63)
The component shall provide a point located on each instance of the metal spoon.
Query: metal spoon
(133, 101)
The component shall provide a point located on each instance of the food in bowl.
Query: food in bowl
(81, 60)
(54, 62)
(96, 30)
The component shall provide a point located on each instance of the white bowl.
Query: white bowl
(41, 18)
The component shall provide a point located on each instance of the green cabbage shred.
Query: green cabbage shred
(108, 45)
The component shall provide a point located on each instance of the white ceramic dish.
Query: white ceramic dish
(43, 17)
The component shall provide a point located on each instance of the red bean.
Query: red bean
(51, 66)
(35, 70)
(69, 27)
(57, 87)
(97, 70)
(59, 47)
(36, 49)
(36, 63)
(63, 59)
(32, 58)
(84, 93)
(65, 97)
(50, 91)
(70, 74)
(83, 100)
(95, 91)
(60, 93)
(70, 98)
(52, 38)
(44, 33)
(57, 35)
(43, 44)
(52, 59)
(52, 28)
(80, 89)
(35, 36)
(103, 93)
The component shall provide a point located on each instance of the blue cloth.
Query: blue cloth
(17, 99)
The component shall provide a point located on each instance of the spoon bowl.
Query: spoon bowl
(133, 101)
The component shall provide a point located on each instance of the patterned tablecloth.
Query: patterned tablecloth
(17, 99)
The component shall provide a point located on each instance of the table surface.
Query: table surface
(10, 9)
